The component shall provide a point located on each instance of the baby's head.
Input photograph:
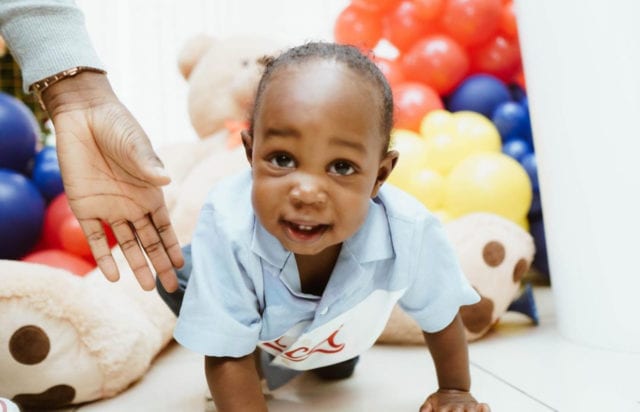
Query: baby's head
(318, 144)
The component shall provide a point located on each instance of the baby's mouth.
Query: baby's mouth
(305, 231)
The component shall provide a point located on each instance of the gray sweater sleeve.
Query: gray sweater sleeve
(46, 37)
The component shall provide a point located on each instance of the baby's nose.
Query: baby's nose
(308, 190)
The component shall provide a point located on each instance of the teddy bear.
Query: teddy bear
(66, 339)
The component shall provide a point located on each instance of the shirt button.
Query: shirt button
(324, 310)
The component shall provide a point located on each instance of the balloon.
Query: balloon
(21, 214)
(412, 149)
(530, 165)
(392, 70)
(19, 132)
(358, 27)
(444, 152)
(376, 6)
(425, 185)
(540, 259)
(516, 148)
(428, 10)
(57, 211)
(412, 101)
(437, 122)
(73, 239)
(477, 132)
(46, 173)
(488, 182)
(500, 56)
(403, 27)
(471, 22)
(480, 93)
(60, 259)
(512, 120)
(508, 22)
(437, 61)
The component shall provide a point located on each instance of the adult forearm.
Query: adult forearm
(234, 384)
(450, 356)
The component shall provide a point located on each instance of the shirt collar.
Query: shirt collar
(370, 243)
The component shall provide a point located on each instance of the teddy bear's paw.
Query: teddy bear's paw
(42, 362)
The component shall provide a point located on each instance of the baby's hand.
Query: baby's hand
(446, 400)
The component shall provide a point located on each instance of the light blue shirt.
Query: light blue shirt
(245, 291)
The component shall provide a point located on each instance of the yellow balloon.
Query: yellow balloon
(524, 223)
(478, 132)
(412, 149)
(437, 122)
(425, 185)
(488, 182)
(444, 152)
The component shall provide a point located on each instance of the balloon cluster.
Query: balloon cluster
(462, 122)
(36, 222)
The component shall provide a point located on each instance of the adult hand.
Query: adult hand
(111, 174)
(449, 400)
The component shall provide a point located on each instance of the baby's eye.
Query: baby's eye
(283, 160)
(342, 168)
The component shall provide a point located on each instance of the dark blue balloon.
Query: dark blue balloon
(530, 165)
(540, 259)
(517, 148)
(517, 92)
(19, 132)
(480, 93)
(512, 120)
(536, 206)
(21, 214)
(46, 173)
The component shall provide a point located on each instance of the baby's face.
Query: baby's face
(316, 155)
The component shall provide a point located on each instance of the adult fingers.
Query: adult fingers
(133, 253)
(152, 244)
(94, 232)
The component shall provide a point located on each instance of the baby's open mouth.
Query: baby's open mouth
(305, 231)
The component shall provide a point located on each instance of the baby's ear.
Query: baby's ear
(247, 142)
(387, 164)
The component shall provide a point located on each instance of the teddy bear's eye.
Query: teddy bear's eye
(245, 63)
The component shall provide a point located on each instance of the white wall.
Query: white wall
(139, 41)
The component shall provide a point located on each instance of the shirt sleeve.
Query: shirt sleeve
(439, 286)
(46, 37)
(220, 312)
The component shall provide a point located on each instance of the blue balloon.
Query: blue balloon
(480, 93)
(21, 214)
(46, 173)
(530, 165)
(516, 148)
(19, 132)
(536, 206)
(512, 119)
(540, 259)
(517, 92)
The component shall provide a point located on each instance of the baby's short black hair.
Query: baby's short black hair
(351, 56)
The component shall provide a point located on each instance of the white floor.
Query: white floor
(517, 367)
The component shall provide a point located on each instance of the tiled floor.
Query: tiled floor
(517, 367)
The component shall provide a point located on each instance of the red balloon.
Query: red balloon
(392, 70)
(471, 22)
(57, 211)
(437, 61)
(403, 27)
(358, 27)
(412, 101)
(377, 6)
(500, 57)
(428, 10)
(508, 22)
(111, 238)
(60, 259)
(73, 239)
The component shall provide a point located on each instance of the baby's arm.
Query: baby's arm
(448, 349)
(234, 384)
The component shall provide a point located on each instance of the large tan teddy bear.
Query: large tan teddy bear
(66, 339)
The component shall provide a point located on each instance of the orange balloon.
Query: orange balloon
(392, 70)
(73, 239)
(403, 27)
(377, 6)
(60, 259)
(358, 27)
(471, 22)
(412, 101)
(428, 10)
(508, 22)
(500, 57)
(437, 61)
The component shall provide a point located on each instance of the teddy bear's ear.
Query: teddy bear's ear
(192, 52)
